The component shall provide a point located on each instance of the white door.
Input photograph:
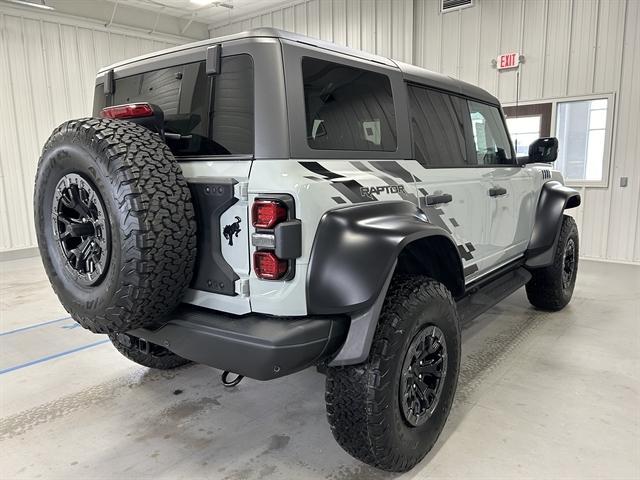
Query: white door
(453, 191)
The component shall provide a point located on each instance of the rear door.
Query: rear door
(452, 192)
(209, 127)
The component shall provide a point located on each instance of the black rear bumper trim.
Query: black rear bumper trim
(256, 346)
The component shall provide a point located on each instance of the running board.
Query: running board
(481, 298)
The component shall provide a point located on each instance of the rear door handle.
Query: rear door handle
(435, 199)
(497, 191)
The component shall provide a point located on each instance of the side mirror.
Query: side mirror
(543, 150)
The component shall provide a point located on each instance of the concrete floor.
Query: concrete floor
(541, 396)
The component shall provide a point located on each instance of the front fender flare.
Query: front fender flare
(554, 199)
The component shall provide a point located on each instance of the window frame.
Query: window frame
(609, 131)
(293, 54)
(211, 95)
(471, 141)
(367, 71)
(271, 139)
(468, 129)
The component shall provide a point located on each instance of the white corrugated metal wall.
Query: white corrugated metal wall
(47, 67)
(380, 26)
(572, 47)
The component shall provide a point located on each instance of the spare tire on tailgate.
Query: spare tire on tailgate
(115, 224)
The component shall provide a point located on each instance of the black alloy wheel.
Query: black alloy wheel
(81, 227)
(568, 263)
(423, 372)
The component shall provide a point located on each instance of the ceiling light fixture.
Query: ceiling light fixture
(213, 3)
(40, 4)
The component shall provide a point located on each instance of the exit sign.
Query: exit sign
(508, 60)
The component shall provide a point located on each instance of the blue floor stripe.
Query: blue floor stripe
(36, 325)
(51, 357)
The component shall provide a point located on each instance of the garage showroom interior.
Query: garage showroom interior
(319, 239)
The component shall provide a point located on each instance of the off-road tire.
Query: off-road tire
(157, 357)
(363, 401)
(147, 211)
(546, 289)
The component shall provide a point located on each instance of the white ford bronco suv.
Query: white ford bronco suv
(266, 202)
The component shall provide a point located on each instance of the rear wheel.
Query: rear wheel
(551, 288)
(145, 353)
(389, 411)
(115, 224)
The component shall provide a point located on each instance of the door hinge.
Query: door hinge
(241, 191)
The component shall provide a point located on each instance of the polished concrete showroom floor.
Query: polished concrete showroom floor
(541, 395)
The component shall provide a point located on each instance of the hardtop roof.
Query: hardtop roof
(411, 73)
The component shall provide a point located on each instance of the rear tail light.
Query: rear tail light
(131, 110)
(269, 267)
(268, 213)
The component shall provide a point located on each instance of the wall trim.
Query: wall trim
(18, 253)
(609, 260)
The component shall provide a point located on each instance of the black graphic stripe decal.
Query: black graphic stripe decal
(410, 197)
(396, 170)
(470, 269)
(436, 216)
(346, 186)
(464, 253)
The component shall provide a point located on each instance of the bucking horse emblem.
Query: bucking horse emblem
(231, 230)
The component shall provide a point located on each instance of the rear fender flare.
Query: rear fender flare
(354, 256)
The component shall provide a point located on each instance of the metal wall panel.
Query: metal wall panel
(380, 26)
(534, 44)
(469, 56)
(489, 43)
(47, 71)
(624, 219)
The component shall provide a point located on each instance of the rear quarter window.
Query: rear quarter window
(347, 108)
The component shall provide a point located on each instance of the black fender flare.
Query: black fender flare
(356, 248)
(354, 256)
(554, 199)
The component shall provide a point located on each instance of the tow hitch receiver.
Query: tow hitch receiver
(227, 383)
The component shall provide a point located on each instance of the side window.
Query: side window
(438, 125)
(199, 122)
(489, 135)
(347, 108)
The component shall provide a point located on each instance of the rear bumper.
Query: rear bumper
(255, 346)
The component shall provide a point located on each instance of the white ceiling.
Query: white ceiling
(215, 12)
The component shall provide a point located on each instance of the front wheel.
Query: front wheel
(551, 288)
(389, 411)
